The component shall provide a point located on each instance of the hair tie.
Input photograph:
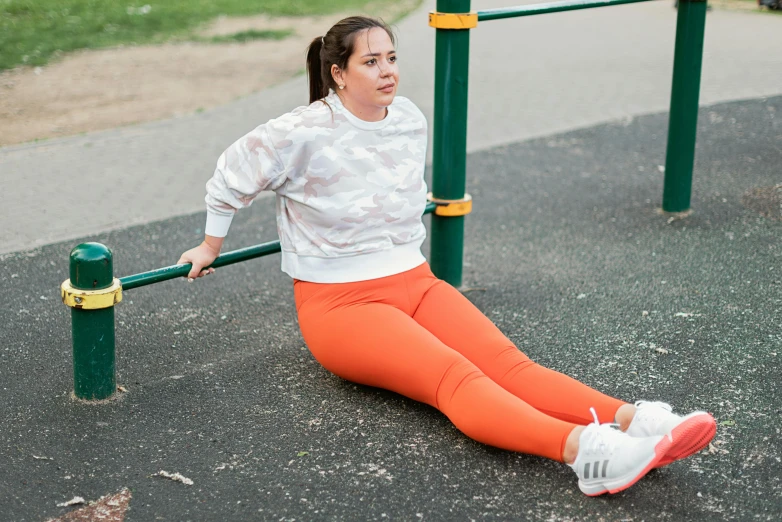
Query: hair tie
(322, 41)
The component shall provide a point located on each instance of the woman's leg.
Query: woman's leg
(454, 320)
(379, 344)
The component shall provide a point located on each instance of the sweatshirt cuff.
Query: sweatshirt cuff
(217, 225)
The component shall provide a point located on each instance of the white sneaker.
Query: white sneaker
(610, 461)
(688, 434)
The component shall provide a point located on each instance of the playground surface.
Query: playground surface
(564, 251)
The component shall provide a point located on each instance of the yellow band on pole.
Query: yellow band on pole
(453, 20)
(452, 207)
(91, 299)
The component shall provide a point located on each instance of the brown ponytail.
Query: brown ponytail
(335, 48)
(318, 89)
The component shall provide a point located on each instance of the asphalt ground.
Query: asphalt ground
(565, 251)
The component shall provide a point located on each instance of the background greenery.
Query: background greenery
(31, 31)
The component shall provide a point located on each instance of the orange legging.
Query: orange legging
(416, 335)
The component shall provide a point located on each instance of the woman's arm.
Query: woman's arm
(202, 256)
(247, 167)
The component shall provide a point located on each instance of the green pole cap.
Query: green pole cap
(92, 267)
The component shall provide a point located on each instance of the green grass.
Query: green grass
(32, 31)
(252, 34)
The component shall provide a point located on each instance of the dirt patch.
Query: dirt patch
(740, 5)
(96, 90)
(110, 508)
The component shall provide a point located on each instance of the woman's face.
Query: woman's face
(371, 77)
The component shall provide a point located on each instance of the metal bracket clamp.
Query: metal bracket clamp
(452, 207)
(453, 20)
(91, 299)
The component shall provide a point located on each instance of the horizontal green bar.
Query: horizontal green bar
(175, 271)
(229, 258)
(553, 7)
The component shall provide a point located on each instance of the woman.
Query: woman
(348, 174)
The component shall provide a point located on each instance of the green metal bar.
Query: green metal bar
(94, 377)
(552, 7)
(683, 121)
(175, 271)
(452, 50)
(229, 258)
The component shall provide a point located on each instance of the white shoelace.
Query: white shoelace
(602, 437)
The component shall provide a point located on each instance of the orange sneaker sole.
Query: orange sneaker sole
(689, 437)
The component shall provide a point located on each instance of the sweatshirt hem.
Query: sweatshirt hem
(351, 269)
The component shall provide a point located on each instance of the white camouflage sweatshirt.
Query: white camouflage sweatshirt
(350, 193)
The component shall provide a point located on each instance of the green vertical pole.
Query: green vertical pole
(683, 120)
(452, 50)
(91, 268)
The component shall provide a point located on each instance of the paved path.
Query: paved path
(529, 77)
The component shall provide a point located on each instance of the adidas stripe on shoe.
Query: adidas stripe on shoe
(609, 461)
